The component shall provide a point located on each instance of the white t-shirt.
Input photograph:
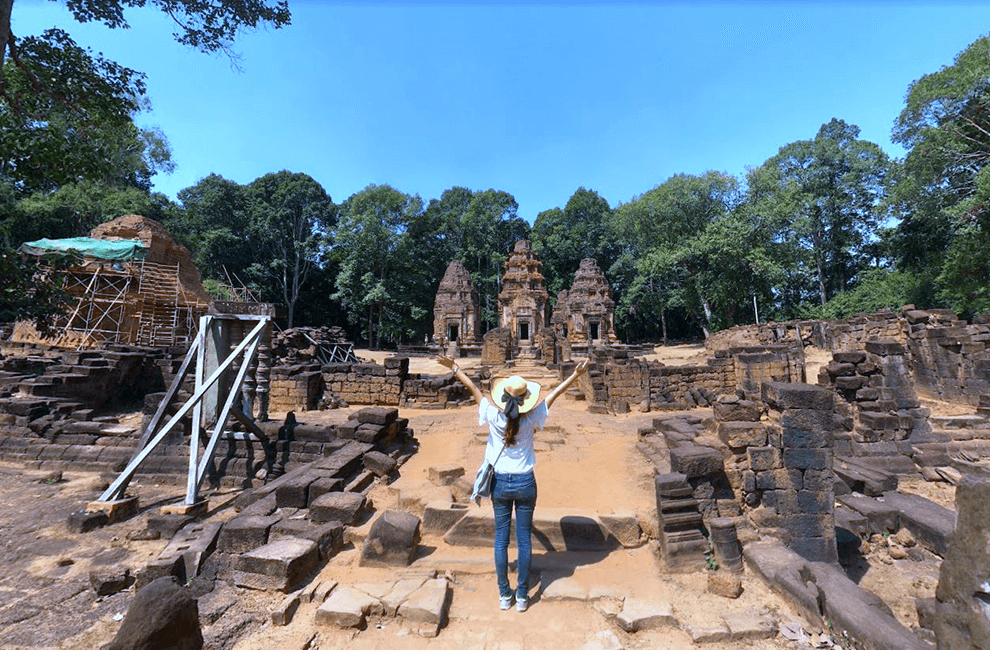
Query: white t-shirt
(518, 458)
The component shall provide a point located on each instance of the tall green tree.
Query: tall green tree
(374, 284)
(291, 218)
(657, 228)
(563, 237)
(942, 193)
(824, 196)
(213, 220)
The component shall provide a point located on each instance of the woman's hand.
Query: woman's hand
(581, 368)
(446, 362)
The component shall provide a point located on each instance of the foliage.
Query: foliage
(877, 288)
(667, 233)
(75, 209)
(562, 238)
(67, 115)
(822, 198)
(32, 290)
(374, 284)
(214, 223)
(291, 217)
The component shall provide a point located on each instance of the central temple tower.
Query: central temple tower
(522, 302)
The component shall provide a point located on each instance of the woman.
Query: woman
(513, 415)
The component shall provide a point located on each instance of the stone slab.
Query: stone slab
(553, 530)
(637, 614)
(278, 565)
(345, 607)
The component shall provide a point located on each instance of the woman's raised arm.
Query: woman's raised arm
(579, 370)
(447, 362)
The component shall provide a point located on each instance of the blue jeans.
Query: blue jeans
(520, 490)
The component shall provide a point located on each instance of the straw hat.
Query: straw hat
(515, 386)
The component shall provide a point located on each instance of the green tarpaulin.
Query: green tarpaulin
(103, 249)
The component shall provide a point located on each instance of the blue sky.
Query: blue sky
(536, 100)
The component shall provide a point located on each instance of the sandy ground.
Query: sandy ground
(586, 463)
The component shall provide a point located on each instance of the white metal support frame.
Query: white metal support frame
(154, 435)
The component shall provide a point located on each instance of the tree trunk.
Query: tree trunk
(371, 331)
(5, 8)
(663, 323)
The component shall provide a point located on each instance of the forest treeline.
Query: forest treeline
(827, 227)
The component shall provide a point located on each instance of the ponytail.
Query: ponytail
(511, 430)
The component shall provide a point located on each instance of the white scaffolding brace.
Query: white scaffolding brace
(196, 360)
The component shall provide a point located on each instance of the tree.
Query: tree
(291, 217)
(214, 222)
(657, 227)
(562, 238)
(203, 24)
(824, 196)
(942, 193)
(374, 282)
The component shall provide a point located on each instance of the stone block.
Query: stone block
(377, 415)
(82, 521)
(445, 474)
(779, 479)
(278, 565)
(737, 411)
(624, 527)
(241, 534)
(797, 396)
(284, 611)
(345, 507)
(855, 356)
(884, 347)
(427, 606)
(440, 516)
(746, 626)
(392, 540)
(695, 461)
(110, 580)
(839, 369)
(637, 614)
(724, 584)
(742, 434)
(380, 464)
(294, 492)
(553, 530)
(345, 607)
(321, 486)
(849, 383)
(807, 459)
(931, 524)
(763, 459)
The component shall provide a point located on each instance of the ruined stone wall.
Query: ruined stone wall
(623, 382)
(846, 334)
(295, 388)
(367, 383)
(948, 358)
(779, 460)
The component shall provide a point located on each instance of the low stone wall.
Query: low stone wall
(947, 357)
(620, 381)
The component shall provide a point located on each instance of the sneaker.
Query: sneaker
(504, 602)
(522, 604)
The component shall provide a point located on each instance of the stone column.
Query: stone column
(264, 370)
(962, 610)
(793, 473)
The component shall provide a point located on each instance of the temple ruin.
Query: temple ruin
(806, 469)
(456, 310)
(133, 285)
(522, 302)
(583, 315)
